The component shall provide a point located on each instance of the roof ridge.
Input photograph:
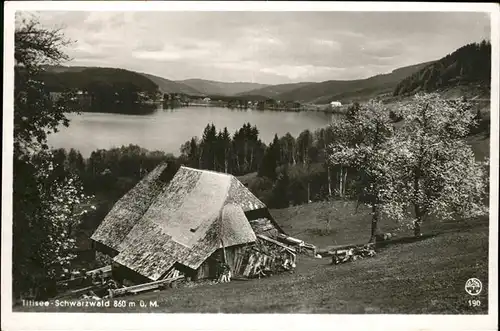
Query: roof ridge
(208, 171)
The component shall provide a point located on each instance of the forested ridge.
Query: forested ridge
(88, 78)
(468, 64)
(102, 89)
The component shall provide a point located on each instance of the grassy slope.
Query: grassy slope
(347, 225)
(427, 276)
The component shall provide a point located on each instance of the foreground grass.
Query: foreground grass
(423, 277)
(349, 223)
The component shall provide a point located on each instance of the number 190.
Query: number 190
(474, 303)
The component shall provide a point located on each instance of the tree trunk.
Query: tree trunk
(329, 181)
(417, 232)
(308, 193)
(375, 216)
(340, 183)
(418, 211)
(417, 224)
(251, 160)
(200, 157)
(344, 182)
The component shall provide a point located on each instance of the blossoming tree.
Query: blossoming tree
(362, 145)
(46, 206)
(436, 173)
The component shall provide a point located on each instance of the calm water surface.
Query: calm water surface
(167, 130)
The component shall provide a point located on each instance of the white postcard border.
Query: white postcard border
(151, 321)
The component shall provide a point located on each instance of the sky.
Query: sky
(264, 47)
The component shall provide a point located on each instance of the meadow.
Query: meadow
(411, 277)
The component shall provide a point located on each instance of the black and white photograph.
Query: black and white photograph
(247, 159)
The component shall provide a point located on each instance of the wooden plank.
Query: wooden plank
(143, 287)
(291, 239)
(248, 267)
(82, 290)
(237, 263)
(276, 242)
(105, 269)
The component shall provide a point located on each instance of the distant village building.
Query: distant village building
(206, 99)
(192, 224)
(82, 97)
(335, 104)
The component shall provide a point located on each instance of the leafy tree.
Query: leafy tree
(287, 149)
(346, 135)
(435, 171)
(304, 148)
(280, 195)
(371, 126)
(352, 111)
(323, 138)
(270, 160)
(46, 205)
(224, 150)
(304, 143)
(76, 161)
(191, 151)
(247, 149)
(208, 147)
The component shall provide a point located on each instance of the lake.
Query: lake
(167, 130)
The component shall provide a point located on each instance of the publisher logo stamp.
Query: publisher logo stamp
(473, 286)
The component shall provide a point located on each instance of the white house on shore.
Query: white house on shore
(335, 104)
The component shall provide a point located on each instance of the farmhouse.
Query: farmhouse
(335, 104)
(191, 224)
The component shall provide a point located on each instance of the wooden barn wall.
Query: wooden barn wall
(234, 258)
(268, 228)
(246, 260)
(264, 226)
(104, 249)
(265, 256)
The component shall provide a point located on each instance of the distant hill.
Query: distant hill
(170, 86)
(59, 78)
(466, 69)
(209, 87)
(468, 65)
(59, 69)
(350, 90)
(273, 91)
(59, 75)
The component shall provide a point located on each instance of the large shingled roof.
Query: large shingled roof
(156, 224)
